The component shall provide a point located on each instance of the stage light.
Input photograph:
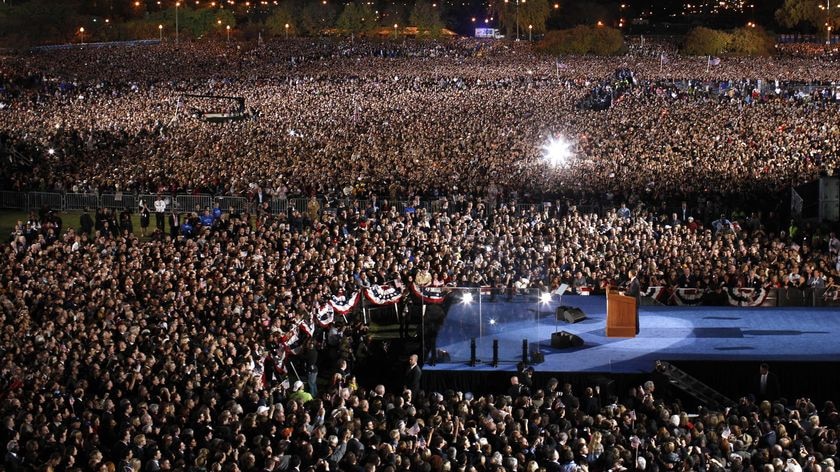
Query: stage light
(492, 322)
(467, 298)
(558, 151)
(51, 151)
(545, 298)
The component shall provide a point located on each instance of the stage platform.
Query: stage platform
(666, 333)
(720, 346)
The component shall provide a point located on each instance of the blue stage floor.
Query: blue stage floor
(666, 333)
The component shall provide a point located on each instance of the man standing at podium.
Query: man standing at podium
(623, 309)
(634, 290)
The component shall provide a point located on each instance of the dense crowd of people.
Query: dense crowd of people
(173, 353)
(442, 120)
(183, 348)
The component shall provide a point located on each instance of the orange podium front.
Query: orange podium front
(622, 316)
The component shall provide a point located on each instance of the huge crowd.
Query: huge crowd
(173, 351)
(460, 118)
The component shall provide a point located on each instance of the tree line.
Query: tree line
(32, 22)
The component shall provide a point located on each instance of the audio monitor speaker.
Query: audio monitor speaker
(564, 339)
(570, 314)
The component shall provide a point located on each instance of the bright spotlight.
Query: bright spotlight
(467, 298)
(545, 298)
(558, 151)
(51, 151)
(492, 322)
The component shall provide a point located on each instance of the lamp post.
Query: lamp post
(517, 20)
(177, 4)
(287, 30)
(395, 30)
(82, 34)
(160, 29)
(228, 32)
(828, 25)
(530, 30)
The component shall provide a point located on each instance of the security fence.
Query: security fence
(118, 201)
(196, 203)
(14, 200)
(239, 204)
(80, 201)
(192, 203)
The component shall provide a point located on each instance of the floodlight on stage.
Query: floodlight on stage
(467, 298)
(545, 298)
(558, 151)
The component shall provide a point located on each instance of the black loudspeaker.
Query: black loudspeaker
(443, 356)
(570, 314)
(564, 339)
(537, 357)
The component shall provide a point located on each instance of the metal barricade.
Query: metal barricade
(192, 203)
(239, 204)
(51, 200)
(279, 205)
(436, 206)
(14, 200)
(402, 205)
(298, 204)
(119, 201)
(342, 203)
(150, 200)
(789, 296)
(80, 201)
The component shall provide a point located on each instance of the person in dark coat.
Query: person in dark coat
(145, 216)
(634, 289)
(412, 375)
(86, 222)
(767, 383)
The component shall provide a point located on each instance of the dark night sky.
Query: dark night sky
(575, 12)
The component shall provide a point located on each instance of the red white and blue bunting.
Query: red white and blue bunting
(431, 295)
(308, 328)
(687, 296)
(383, 295)
(342, 304)
(290, 338)
(746, 297)
(655, 293)
(740, 296)
(325, 315)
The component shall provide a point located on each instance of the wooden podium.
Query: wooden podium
(622, 315)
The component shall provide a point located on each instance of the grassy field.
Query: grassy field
(8, 220)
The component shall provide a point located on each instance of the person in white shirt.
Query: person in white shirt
(160, 212)
(833, 245)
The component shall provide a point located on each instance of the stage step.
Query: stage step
(708, 396)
